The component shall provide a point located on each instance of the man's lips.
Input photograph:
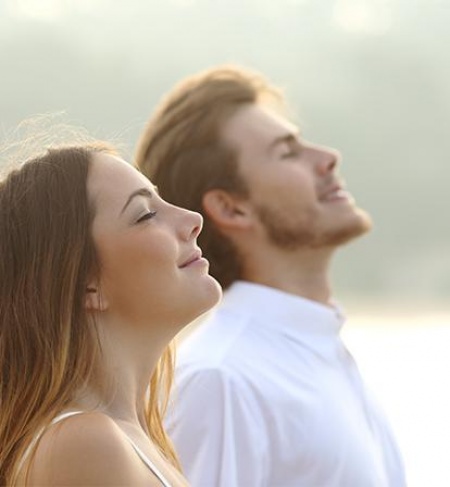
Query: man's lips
(335, 193)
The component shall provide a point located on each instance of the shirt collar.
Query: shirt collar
(283, 311)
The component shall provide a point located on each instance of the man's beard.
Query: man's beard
(293, 234)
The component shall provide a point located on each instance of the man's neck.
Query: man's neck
(304, 274)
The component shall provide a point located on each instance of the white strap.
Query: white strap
(39, 434)
(62, 416)
(148, 462)
(139, 452)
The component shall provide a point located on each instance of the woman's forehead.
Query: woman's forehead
(111, 180)
(106, 168)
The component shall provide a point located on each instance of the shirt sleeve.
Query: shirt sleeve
(218, 431)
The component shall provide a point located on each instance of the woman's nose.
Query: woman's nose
(192, 224)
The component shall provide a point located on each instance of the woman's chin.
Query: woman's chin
(209, 298)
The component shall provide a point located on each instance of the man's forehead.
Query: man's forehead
(257, 123)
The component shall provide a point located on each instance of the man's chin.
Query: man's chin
(365, 221)
(358, 226)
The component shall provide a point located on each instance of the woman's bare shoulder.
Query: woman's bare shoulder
(87, 449)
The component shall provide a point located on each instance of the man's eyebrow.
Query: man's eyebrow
(139, 192)
(287, 137)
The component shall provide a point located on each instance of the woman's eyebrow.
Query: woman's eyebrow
(139, 192)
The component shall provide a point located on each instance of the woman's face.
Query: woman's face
(151, 270)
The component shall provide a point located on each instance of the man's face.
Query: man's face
(293, 186)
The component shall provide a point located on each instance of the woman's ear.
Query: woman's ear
(227, 210)
(94, 300)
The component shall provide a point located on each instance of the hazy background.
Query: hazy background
(370, 77)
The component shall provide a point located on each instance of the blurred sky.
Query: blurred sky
(369, 77)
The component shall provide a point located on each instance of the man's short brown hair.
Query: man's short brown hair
(181, 150)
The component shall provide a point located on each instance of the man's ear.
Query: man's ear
(226, 210)
(94, 300)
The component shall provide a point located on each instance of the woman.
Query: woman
(98, 274)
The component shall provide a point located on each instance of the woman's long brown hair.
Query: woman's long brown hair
(48, 346)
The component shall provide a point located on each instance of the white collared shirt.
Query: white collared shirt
(267, 395)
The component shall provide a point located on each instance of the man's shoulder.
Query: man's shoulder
(214, 342)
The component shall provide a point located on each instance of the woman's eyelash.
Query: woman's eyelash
(147, 216)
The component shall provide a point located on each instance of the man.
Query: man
(267, 394)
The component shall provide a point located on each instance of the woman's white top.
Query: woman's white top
(152, 467)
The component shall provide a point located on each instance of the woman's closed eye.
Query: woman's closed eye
(147, 216)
